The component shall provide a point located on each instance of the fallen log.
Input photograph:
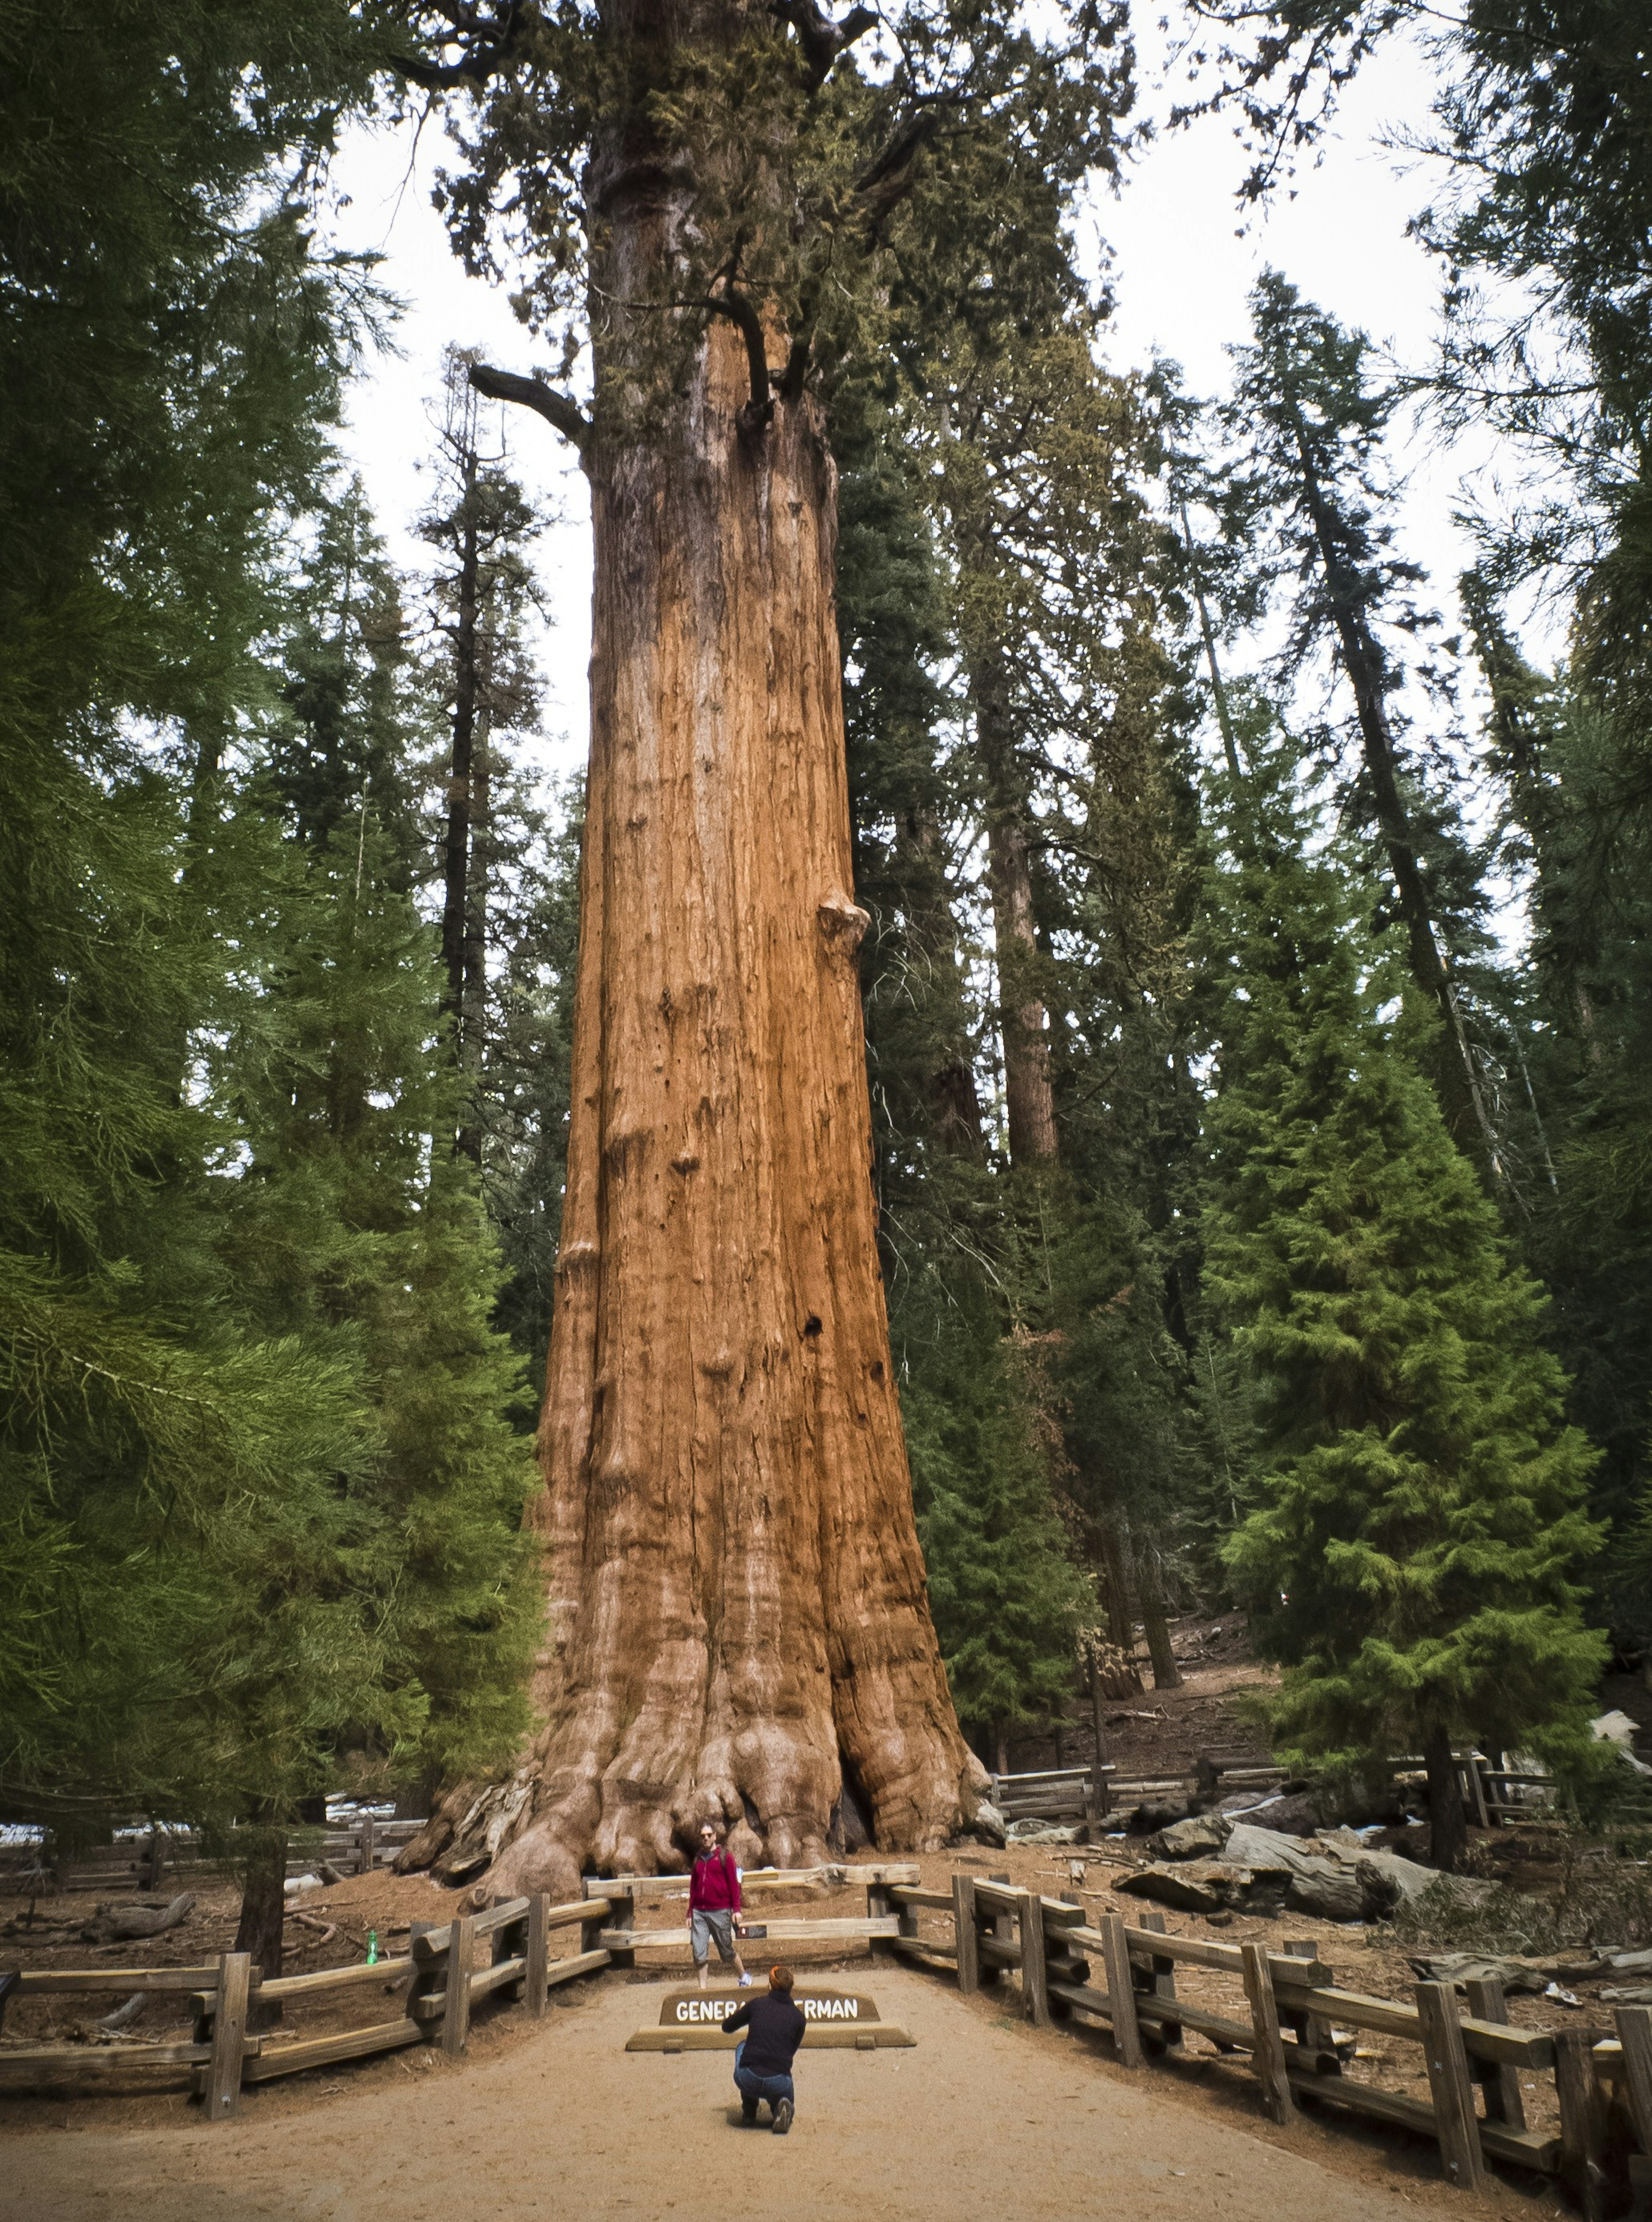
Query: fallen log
(113, 1925)
(124, 2016)
(326, 1931)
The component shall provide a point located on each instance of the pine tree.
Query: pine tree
(1418, 1527)
(1007, 1597)
(479, 596)
(171, 357)
(1309, 496)
(1580, 1036)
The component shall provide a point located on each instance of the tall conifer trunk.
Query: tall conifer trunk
(736, 1612)
(1029, 1096)
(1448, 1821)
(1461, 1094)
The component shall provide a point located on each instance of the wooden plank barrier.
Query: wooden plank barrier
(889, 1922)
(223, 2057)
(150, 1859)
(1289, 2029)
(1063, 1793)
(1118, 1975)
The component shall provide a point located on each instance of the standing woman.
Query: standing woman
(714, 1905)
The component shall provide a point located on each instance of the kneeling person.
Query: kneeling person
(763, 2061)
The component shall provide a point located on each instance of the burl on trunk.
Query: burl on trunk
(737, 1618)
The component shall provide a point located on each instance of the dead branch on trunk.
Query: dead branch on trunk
(821, 40)
(558, 409)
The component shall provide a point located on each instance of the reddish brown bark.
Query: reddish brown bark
(737, 1622)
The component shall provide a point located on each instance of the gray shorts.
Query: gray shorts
(703, 1926)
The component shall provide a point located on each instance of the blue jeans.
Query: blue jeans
(752, 2087)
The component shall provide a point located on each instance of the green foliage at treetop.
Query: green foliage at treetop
(1417, 1526)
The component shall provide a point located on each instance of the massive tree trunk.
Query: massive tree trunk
(737, 1623)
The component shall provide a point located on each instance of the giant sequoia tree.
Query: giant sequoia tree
(737, 1613)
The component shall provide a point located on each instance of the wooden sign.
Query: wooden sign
(698, 2009)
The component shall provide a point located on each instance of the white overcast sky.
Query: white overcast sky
(1184, 258)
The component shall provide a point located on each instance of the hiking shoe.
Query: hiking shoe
(782, 2117)
(746, 1982)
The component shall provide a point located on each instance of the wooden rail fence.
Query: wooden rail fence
(437, 1977)
(1062, 1793)
(512, 1941)
(1493, 1796)
(1297, 2030)
(157, 1855)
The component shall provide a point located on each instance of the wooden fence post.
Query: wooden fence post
(1474, 1788)
(1120, 1991)
(1313, 2031)
(1451, 2086)
(228, 2034)
(1003, 1930)
(455, 2018)
(369, 1847)
(969, 1942)
(1035, 1976)
(1634, 2035)
(421, 1982)
(1267, 2053)
(1499, 2082)
(1583, 2121)
(153, 1866)
(622, 1914)
(537, 1956)
(1167, 2033)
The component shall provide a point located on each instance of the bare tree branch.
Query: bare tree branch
(558, 409)
(889, 178)
(821, 38)
(490, 43)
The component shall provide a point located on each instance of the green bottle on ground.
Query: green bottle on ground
(373, 1948)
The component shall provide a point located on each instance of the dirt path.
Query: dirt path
(983, 2115)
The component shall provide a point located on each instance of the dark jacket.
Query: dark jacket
(775, 2029)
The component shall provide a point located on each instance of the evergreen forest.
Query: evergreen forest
(1257, 984)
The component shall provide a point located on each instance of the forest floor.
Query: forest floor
(1162, 1732)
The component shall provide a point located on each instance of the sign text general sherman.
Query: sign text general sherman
(687, 2009)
